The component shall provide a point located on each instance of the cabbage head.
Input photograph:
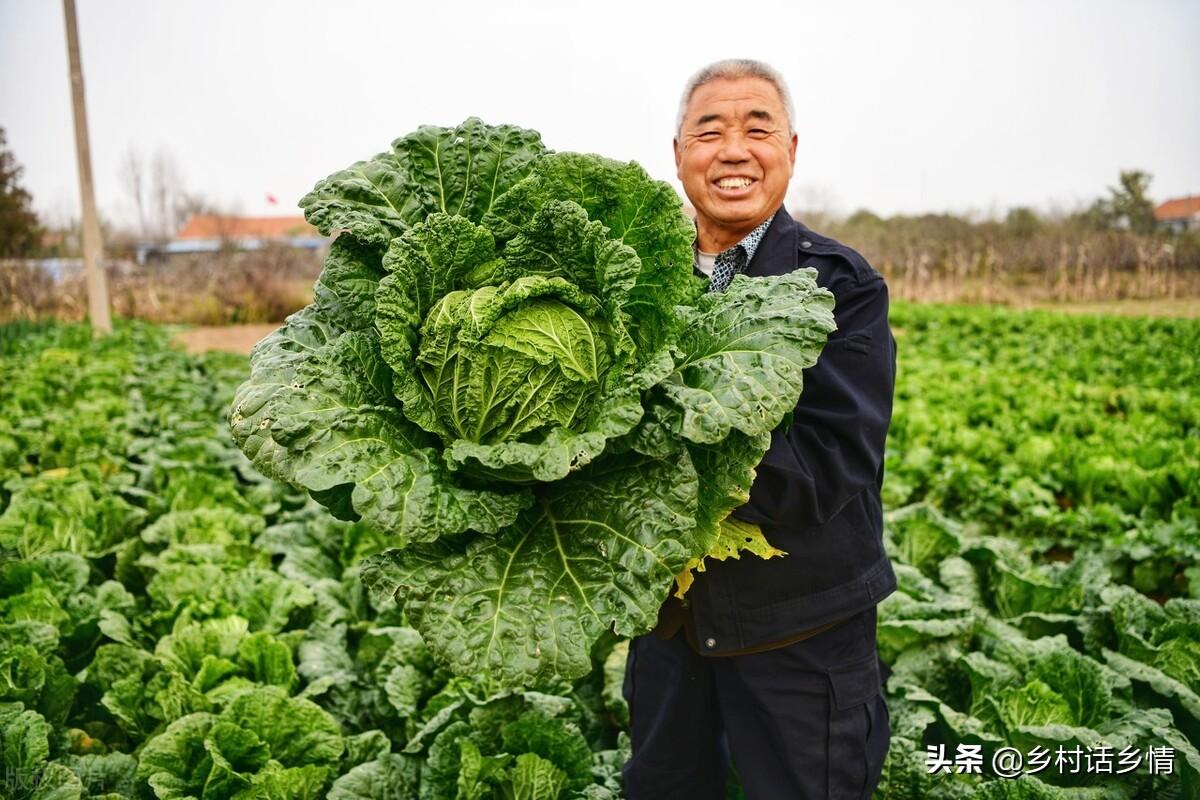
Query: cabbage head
(509, 366)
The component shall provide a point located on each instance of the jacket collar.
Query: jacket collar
(779, 252)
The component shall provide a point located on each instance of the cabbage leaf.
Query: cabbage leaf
(510, 368)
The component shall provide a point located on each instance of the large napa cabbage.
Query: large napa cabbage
(510, 367)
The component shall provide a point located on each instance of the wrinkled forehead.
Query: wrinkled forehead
(735, 100)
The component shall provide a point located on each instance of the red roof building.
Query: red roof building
(1180, 214)
(211, 233)
(218, 226)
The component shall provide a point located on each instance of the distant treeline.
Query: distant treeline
(206, 289)
(1112, 250)
(947, 258)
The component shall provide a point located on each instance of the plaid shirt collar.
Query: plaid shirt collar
(754, 238)
(733, 261)
(749, 242)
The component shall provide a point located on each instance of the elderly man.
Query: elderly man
(774, 661)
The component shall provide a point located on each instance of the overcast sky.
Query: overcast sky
(901, 106)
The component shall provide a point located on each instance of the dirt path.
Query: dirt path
(1185, 307)
(229, 338)
(240, 338)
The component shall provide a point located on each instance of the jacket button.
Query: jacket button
(806, 244)
(710, 643)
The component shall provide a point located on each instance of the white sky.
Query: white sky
(901, 106)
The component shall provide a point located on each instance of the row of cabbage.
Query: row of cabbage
(173, 625)
(1063, 431)
(1044, 475)
(990, 649)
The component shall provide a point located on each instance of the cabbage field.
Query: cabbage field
(174, 625)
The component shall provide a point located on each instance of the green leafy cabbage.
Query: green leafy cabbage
(510, 368)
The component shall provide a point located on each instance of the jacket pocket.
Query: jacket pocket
(859, 342)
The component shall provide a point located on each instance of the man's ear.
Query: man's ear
(679, 157)
(792, 154)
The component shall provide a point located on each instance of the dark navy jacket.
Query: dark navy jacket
(816, 494)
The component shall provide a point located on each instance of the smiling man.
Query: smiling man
(774, 661)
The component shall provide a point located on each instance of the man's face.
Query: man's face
(735, 155)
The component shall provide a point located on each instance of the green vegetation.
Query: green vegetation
(20, 233)
(1061, 432)
(1045, 476)
(510, 369)
(173, 624)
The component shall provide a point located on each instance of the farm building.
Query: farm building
(210, 233)
(1179, 215)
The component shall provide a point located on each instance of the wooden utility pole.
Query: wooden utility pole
(93, 247)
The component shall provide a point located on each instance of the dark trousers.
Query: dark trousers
(801, 722)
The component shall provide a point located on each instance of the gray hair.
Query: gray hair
(733, 69)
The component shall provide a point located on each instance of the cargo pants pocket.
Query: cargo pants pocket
(854, 730)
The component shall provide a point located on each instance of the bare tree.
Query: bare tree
(157, 192)
(166, 183)
(816, 204)
(190, 204)
(133, 181)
